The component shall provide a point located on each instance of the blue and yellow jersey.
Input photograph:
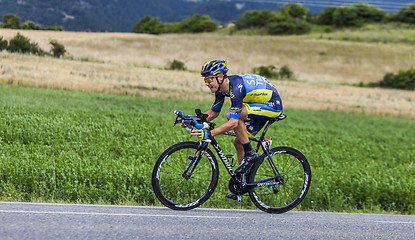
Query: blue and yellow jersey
(248, 88)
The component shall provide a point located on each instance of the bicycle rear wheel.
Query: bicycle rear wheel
(176, 190)
(293, 181)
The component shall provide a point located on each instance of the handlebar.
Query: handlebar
(199, 121)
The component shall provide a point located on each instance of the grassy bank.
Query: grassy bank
(63, 146)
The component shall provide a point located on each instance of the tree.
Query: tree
(150, 25)
(346, 16)
(296, 10)
(407, 14)
(351, 16)
(197, 23)
(253, 18)
(368, 13)
(11, 21)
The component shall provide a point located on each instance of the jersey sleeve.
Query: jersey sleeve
(237, 93)
(219, 100)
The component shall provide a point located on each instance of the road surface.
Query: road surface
(78, 221)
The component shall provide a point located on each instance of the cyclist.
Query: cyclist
(253, 102)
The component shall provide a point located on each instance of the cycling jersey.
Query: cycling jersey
(260, 98)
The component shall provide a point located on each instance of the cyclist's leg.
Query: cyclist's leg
(241, 134)
(258, 115)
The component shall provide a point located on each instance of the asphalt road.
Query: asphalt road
(76, 221)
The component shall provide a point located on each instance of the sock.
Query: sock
(247, 147)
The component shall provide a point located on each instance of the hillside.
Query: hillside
(120, 16)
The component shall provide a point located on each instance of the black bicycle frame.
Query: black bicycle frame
(203, 145)
(201, 151)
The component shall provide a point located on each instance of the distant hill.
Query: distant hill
(121, 15)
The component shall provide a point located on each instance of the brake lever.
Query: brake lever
(176, 122)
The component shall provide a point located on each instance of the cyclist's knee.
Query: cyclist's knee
(236, 142)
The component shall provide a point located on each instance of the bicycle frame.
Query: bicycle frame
(203, 145)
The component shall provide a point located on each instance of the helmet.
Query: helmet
(214, 67)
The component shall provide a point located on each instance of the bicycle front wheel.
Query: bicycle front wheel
(293, 180)
(173, 183)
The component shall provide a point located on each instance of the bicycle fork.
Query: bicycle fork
(194, 161)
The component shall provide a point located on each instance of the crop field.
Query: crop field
(88, 128)
(65, 146)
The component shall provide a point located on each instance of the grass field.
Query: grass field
(65, 146)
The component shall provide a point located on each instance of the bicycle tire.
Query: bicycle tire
(296, 173)
(175, 191)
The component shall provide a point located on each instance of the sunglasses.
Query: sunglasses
(209, 79)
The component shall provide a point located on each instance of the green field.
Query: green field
(64, 146)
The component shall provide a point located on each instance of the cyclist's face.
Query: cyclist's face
(211, 83)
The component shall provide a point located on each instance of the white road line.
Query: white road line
(126, 206)
(396, 222)
(116, 214)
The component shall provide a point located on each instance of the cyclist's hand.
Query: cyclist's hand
(202, 134)
(182, 124)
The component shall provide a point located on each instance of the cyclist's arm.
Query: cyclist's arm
(212, 114)
(226, 127)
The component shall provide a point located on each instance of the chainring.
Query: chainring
(235, 189)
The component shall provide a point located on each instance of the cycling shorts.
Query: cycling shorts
(258, 115)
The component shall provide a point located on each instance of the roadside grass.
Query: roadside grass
(64, 146)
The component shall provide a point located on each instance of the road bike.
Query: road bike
(186, 174)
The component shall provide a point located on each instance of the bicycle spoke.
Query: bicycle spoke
(179, 191)
(281, 197)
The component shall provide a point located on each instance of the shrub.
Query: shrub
(54, 28)
(195, 24)
(30, 25)
(405, 79)
(22, 44)
(271, 71)
(58, 49)
(288, 27)
(3, 44)
(177, 65)
(285, 72)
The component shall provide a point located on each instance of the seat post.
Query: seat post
(266, 128)
(279, 118)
